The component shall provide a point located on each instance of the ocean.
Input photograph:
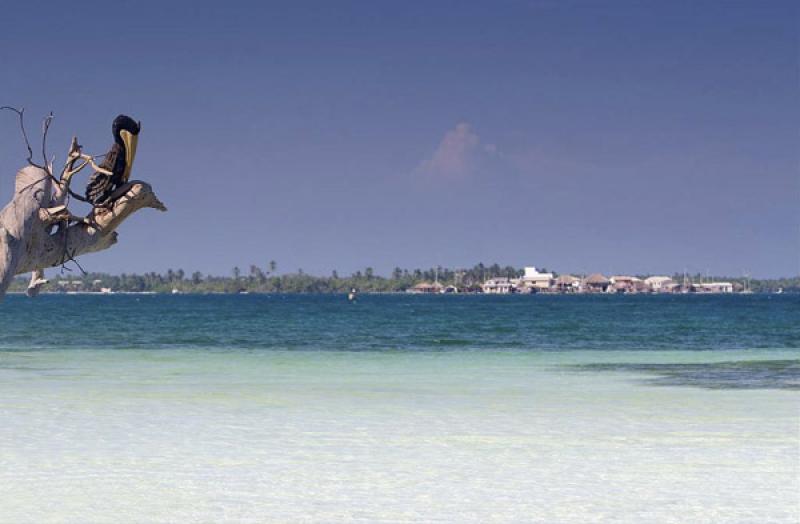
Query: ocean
(400, 408)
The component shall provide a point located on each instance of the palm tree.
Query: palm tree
(255, 273)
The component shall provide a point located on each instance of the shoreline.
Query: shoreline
(394, 293)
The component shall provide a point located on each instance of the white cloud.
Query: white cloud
(456, 154)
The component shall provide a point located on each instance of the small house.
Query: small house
(426, 287)
(596, 283)
(567, 284)
(499, 286)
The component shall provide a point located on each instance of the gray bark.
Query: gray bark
(33, 232)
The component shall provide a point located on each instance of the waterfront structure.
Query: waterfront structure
(713, 287)
(69, 285)
(660, 284)
(627, 284)
(567, 284)
(533, 281)
(427, 287)
(596, 283)
(499, 286)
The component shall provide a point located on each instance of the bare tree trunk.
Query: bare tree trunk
(37, 231)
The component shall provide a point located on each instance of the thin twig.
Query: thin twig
(76, 196)
(25, 188)
(45, 128)
(67, 256)
(21, 114)
(71, 258)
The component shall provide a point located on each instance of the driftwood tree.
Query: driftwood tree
(37, 229)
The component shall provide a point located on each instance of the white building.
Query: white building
(714, 287)
(534, 281)
(658, 284)
(427, 287)
(499, 286)
(626, 284)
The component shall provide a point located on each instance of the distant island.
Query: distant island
(478, 279)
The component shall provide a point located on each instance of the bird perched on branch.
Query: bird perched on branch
(116, 167)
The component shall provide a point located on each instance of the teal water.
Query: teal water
(403, 322)
(277, 408)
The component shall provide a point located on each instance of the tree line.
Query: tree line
(266, 279)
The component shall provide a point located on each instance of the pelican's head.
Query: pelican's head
(126, 133)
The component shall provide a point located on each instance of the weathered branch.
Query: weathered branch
(37, 281)
(27, 243)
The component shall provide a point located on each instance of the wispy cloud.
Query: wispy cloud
(458, 154)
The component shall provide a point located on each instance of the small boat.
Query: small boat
(352, 295)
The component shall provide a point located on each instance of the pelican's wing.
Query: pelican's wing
(99, 188)
(100, 185)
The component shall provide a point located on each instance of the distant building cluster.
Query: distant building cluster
(534, 281)
(480, 279)
(79, 286)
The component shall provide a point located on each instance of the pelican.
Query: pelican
(116, 167)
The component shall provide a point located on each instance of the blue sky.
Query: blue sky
(622, 137)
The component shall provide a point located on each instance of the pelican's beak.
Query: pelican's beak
(130, 141)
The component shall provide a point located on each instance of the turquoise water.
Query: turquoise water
(403, 322)
(252, 408)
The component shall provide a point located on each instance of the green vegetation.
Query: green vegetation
(267, 280)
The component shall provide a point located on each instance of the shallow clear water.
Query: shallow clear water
(399, 409)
